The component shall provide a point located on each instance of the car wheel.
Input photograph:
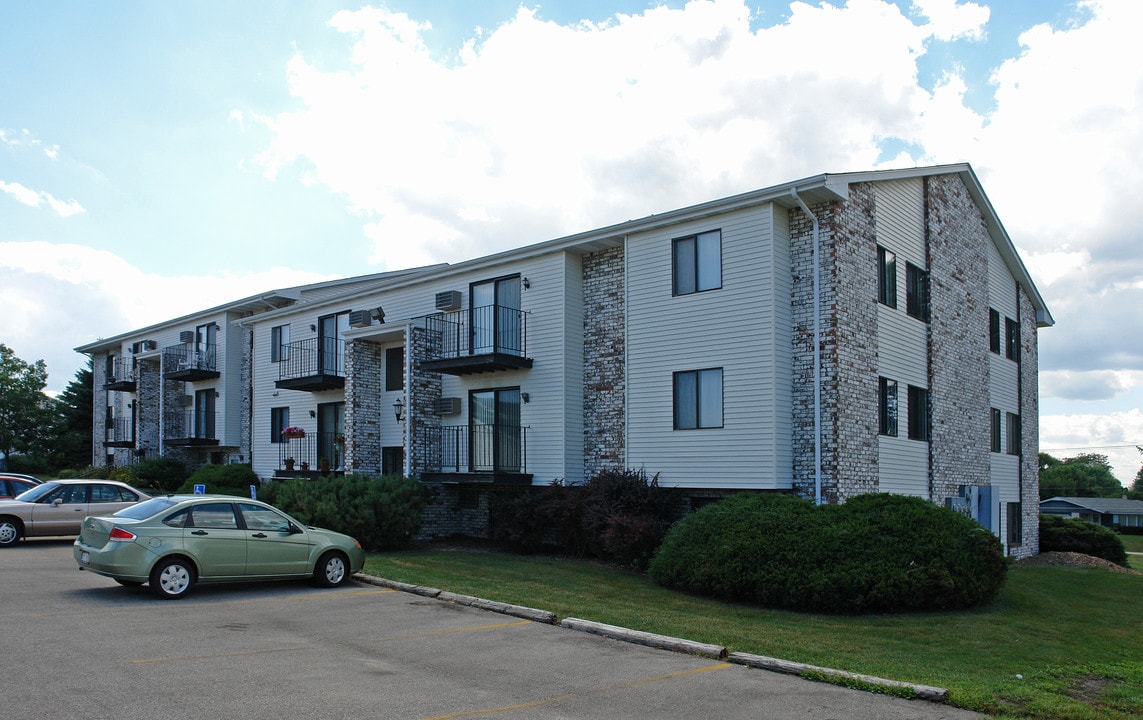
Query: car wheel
(10, 531)
(172, 578)
(332, 569)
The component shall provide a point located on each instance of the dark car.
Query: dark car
(12, 485)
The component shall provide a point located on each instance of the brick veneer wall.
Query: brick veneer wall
(364, 376)
(1030, 430)
(99, 401)
(246, 381)
(959, 368)
(604, 360)
(425, 391)
(147, 416)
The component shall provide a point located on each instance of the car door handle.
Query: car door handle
(199, 532)
(259, 535)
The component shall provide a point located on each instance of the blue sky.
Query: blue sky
(161, 157)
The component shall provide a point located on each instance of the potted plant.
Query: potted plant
(293, 432)
(305, 465)
(323, 466)
(289, 463)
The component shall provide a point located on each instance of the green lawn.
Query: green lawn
(1057, 643)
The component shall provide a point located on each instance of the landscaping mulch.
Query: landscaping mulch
(1072, 559)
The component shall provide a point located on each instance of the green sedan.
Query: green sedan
(176, 541)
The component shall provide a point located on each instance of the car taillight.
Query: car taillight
(121, 535)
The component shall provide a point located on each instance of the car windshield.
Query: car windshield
(37, 492)
(146, 509)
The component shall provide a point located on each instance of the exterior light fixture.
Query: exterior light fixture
(399, 409)
(378, 314)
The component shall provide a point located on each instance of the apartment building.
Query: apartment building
(832, 336)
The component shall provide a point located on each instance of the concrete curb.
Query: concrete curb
(664, 642)
(638, 637)
(921, 692)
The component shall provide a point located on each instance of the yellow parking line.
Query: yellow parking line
(561, 698)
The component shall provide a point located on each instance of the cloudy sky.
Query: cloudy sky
(158, 158)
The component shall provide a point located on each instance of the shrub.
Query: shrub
(381, 513)
(221, 480)
(1060, 534)
(875, 553)
(618, 515)
(160, 474)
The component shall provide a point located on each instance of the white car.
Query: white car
(58, 507)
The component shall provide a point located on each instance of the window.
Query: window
(393, 460)
(280, 343)
(916, 292)
(919, 414)
(994, 330)
(995, 430)
(697, 262)
(1015, 524)
(204, 414)
(496, 438)
(213, 515)
(1014, 434)
(395, 368)
(497, 325)
(698, 399)
(886, 277)
(331, 348)
(1012, 339)
(279, 421)
(888, 407)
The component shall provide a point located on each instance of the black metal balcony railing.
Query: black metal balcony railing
(486, 338)
(190, 361)
(312, 364)
(120, 432)
(308, 452)
(121, 374)
(190, 427)
(479, 449)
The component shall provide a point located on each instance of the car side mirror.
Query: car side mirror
(57, 502)
(294, 529)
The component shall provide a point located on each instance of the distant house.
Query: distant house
(1108, 512)
(832, 336)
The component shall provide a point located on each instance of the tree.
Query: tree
(73, 425)
(24, 408)
(1087, 475)
(1136, 492)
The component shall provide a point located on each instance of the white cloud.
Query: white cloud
(36, 198)
(949, 20)
(1114, 435)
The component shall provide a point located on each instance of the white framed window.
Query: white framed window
(697, 263)
(280, 343)
(698, 399)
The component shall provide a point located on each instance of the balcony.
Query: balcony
(484, 339)
(479, 454)
(121, 375)
(307, 454)
(120, 433)
(190, 362)
(190, 428)
(312, 365)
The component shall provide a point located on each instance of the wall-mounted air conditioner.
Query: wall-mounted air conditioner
(188, 400)
(447, 406)
(150, 345)
(448, 300)
(186, 336)
(359, 319)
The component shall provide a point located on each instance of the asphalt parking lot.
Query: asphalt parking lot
(79, 645)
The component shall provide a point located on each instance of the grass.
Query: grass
(1057, 642)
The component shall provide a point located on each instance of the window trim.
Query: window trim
(695, 258)
(886, 277)
(698, 402)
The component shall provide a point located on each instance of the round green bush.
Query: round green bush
(875, 553)
(221, 480)
(1060, 534)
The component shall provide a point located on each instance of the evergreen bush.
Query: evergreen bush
(1060, 534)
(875, 553)
(221, 480)
(159, 475)
(382, 513)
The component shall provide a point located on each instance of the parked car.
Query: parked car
(176, 541)
(58, 507)
(12, 485)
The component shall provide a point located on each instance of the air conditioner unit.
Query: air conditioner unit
(448, 300)
(186, 336)
(360, 319)
(188, 400)
(150, 345)
(447, 406)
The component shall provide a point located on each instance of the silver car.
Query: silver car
(58, 507)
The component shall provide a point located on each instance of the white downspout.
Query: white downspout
(817, 347)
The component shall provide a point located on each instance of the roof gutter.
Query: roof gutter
(816, 253)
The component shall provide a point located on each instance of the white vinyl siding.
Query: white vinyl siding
(667, 334)
(902, 341)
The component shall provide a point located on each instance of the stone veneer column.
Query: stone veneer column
(604, 361)
(147, 415)
(364, 365)
(100, 403)
(420, 418)
(246, 380)
(959, 367)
